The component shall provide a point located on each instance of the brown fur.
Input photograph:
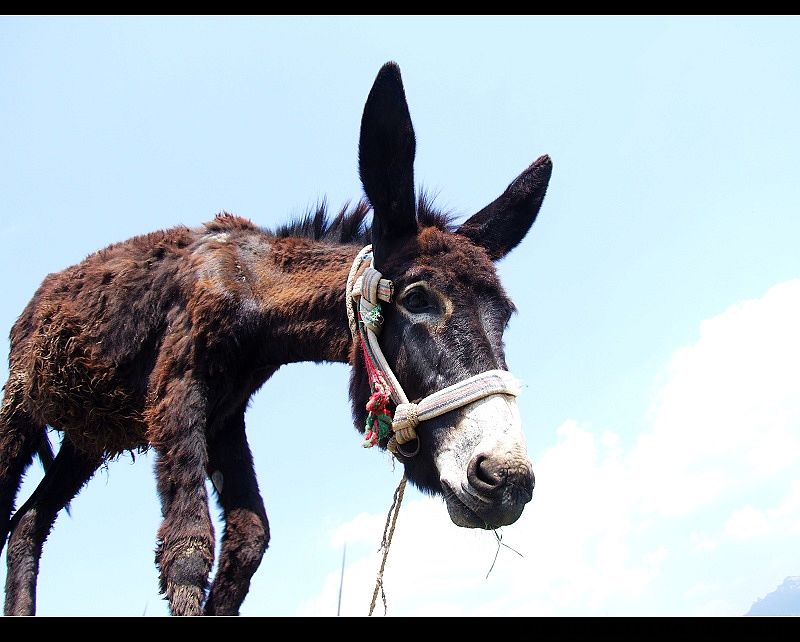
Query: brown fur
(160, 341)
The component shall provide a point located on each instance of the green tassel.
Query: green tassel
(384, 426)
(373, 317)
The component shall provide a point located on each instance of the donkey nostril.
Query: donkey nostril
(483, 476)
(487, 474)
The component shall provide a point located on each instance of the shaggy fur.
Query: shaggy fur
(160, 341)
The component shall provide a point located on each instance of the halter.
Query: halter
(363, 296)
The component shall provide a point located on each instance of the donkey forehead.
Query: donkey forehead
(449, 260)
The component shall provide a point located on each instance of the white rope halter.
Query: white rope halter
(366, 291)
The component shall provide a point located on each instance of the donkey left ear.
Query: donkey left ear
(386, 162)
(501, 225)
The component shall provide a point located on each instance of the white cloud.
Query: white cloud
(661, 526)
(702, 542)
(747, 523)
(728, 413)
(781, 520)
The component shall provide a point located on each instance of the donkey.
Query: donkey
(160, 341)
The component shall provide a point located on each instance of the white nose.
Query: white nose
(485, 464)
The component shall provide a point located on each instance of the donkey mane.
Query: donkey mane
(350, 226)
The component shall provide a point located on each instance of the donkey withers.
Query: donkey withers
(160, 341)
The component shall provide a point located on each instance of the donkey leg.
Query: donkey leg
(32, 523)
(246, 533)
(20, 436)
(185, 551)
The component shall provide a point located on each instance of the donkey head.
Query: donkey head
(448, 315)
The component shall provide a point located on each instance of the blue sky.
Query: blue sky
(657, 292)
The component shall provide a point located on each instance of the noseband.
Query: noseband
(364, 294)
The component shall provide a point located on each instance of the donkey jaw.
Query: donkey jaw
(483, 466)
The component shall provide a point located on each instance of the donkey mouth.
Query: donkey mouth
(470, 511)
(461, 514)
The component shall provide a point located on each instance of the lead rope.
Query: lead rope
(386, 542)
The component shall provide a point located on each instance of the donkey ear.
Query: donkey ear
(501, 225)
(386, 161)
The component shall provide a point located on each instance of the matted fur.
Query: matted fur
(161, 340)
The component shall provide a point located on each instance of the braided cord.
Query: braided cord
(386, 542)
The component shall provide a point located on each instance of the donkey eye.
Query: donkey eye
(418, 301)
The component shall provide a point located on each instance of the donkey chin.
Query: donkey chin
(483, 465)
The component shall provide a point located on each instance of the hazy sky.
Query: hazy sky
(658, 292)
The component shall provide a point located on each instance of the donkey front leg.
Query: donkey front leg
(246, 533)
(185, 551)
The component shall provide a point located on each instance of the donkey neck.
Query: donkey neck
(300, 290)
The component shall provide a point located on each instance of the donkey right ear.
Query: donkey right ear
(386, 162)
(501, 225)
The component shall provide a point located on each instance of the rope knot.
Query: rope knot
(369, 284)
(370, 289)
(406, 420)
